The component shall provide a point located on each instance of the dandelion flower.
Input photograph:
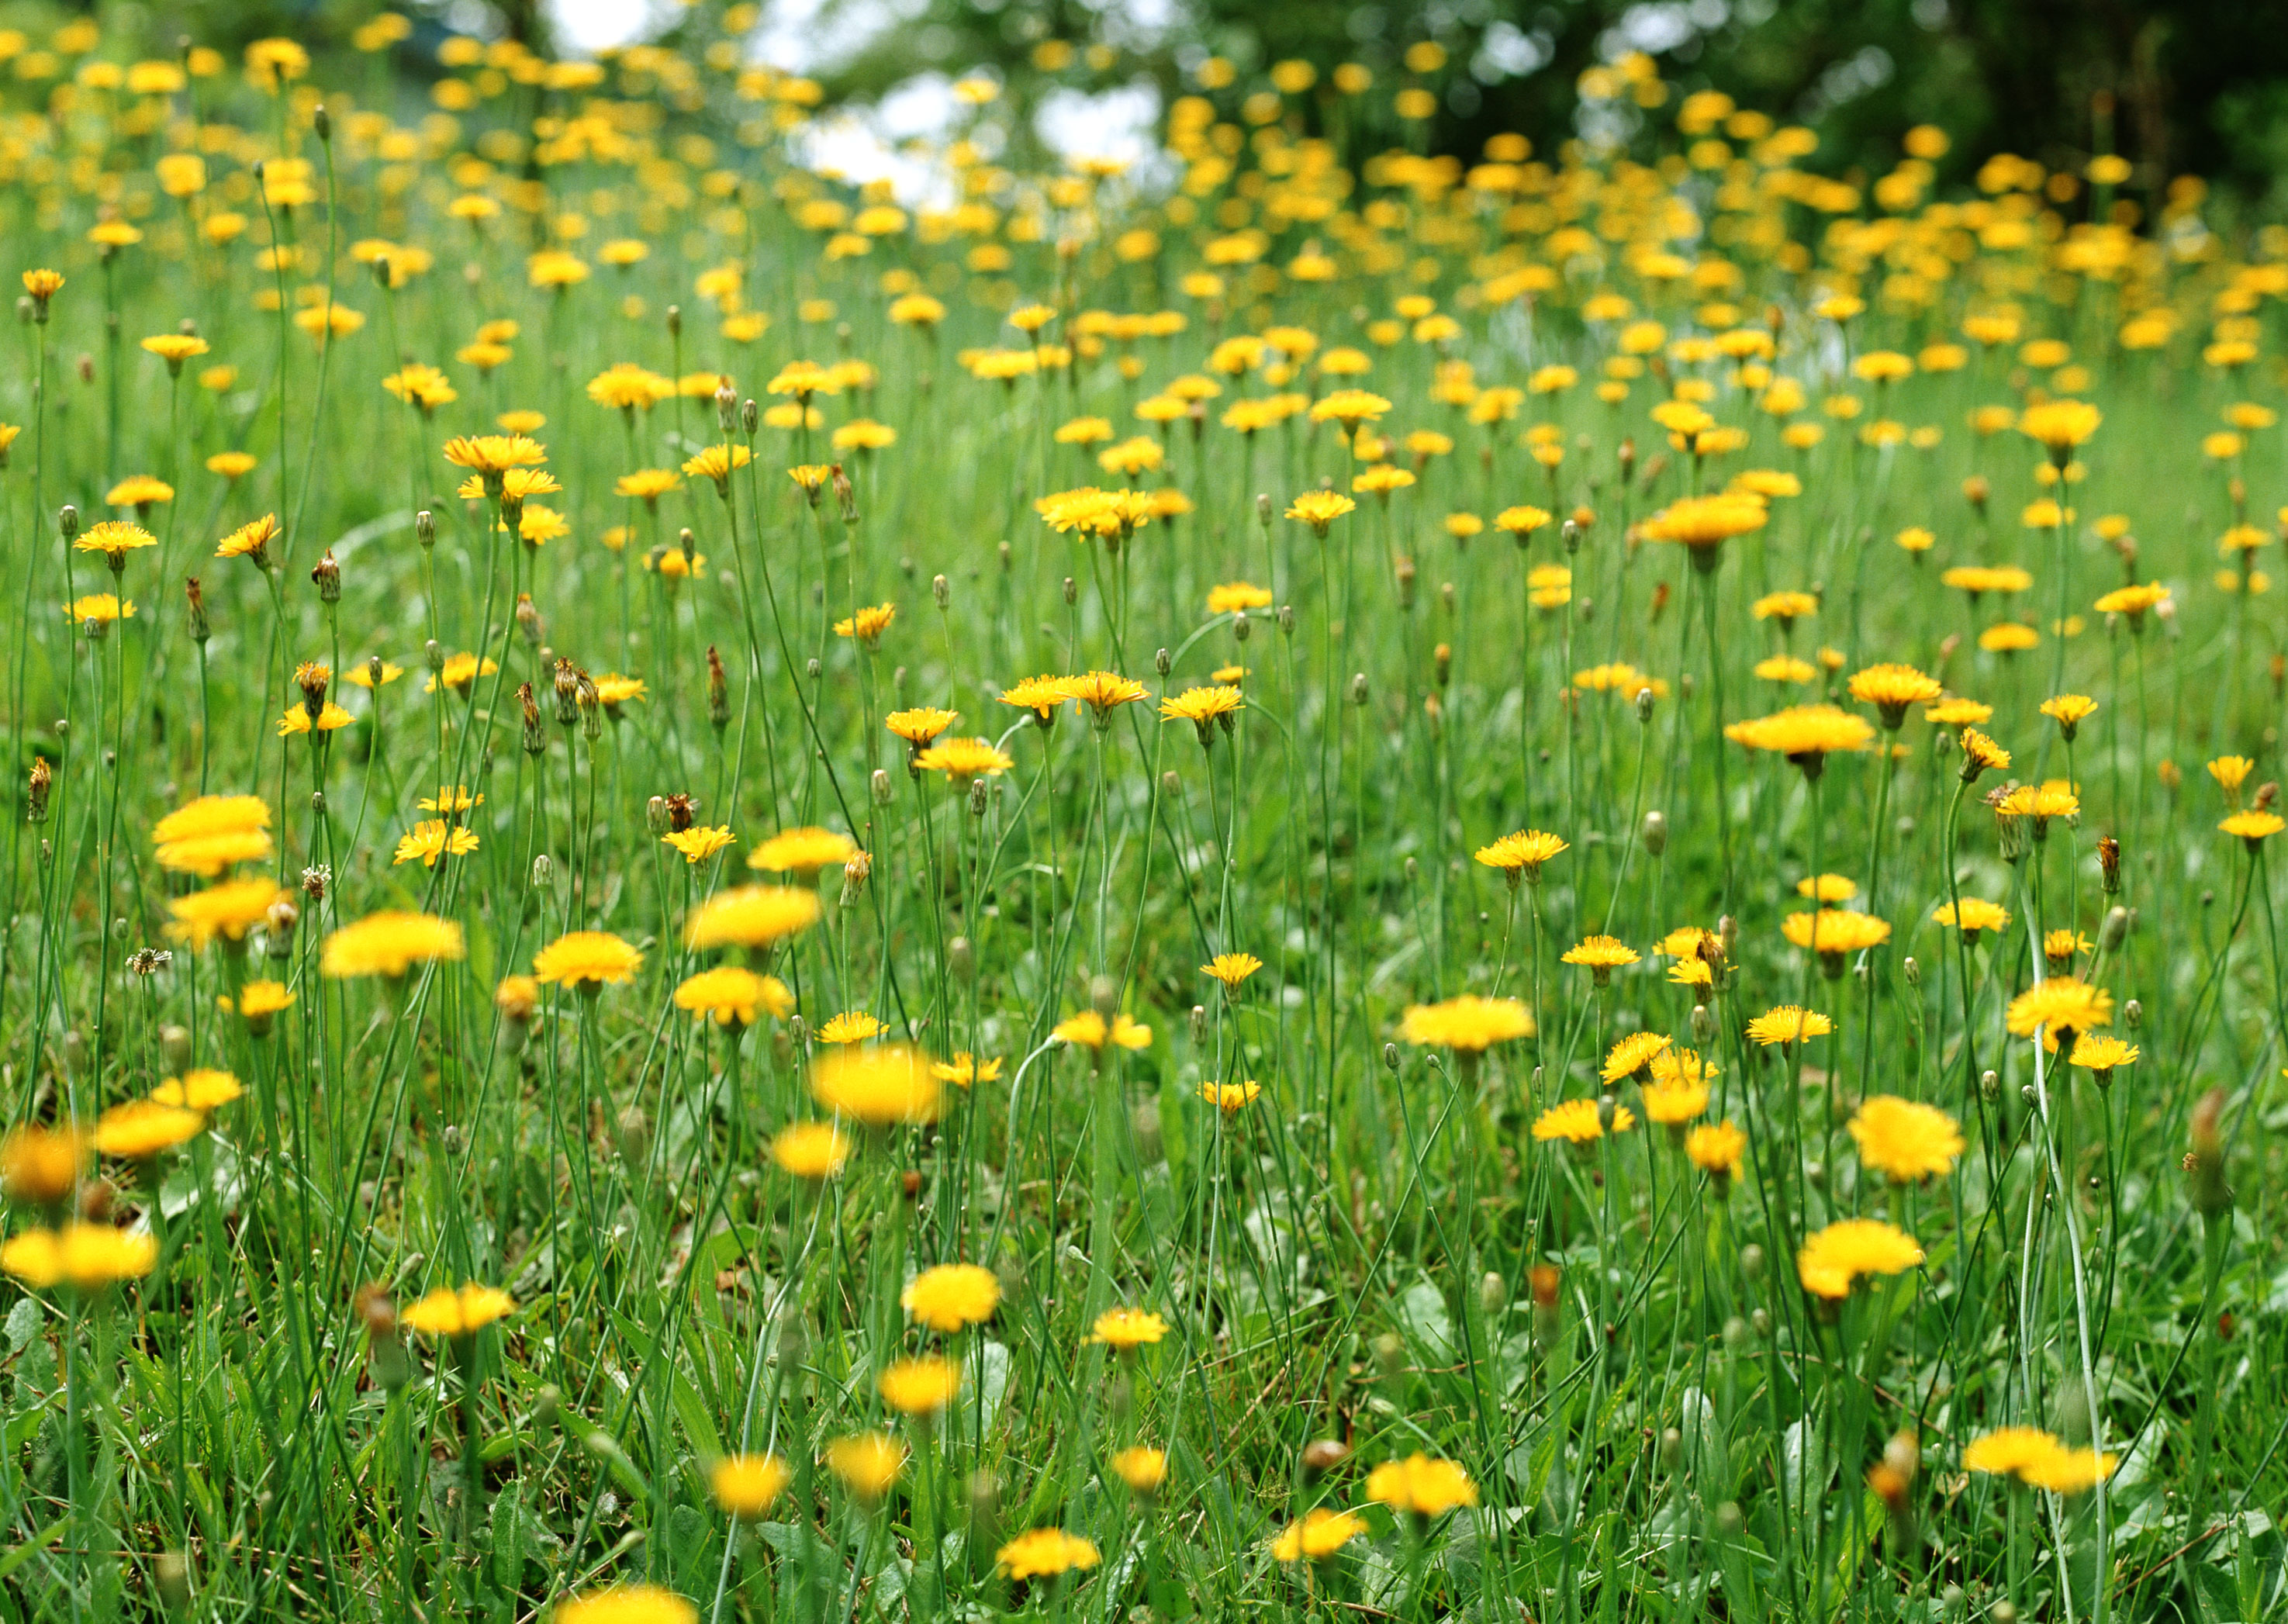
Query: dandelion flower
(141, 1128)
(390, 944)
(811, 1149)
(586, 960)
(732, 996)
(1520, 856)
(1126, 1330)
(1832, 1260)
(746, 1485)
(1469, 1024)
(85, 1257)
(951, 1297)
(446, 1311)
(1045, 1553)
(1318, 1534)
(626, 1604)
(868, 1464)
(882, 1085)
(751, 916)
(1421, 1486)
(1231, 969)
(804, 850)
(1907, 1141)
(1578, 1122)
(1789, 1022)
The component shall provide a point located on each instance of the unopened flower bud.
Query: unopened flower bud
(1263, 509)
(1656, 832)
(327, 575)
(883, 792)
(68, 520)
(424, 527)
(1358, 689)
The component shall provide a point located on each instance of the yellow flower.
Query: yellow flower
(447, 1312)
(2252, 827)
(1317, 1535)
(803, 851)
(2060, 1004)
(965, 1069)
(141, 1128)
(1321, 509)
(201, 1089)
(964, 759)
(1804, 733)
(1522, 855)
(881, 1086)
(951, 1297)
(228, 910)
(1231, 969)
(1204, 708)
(919, 1386)
(732, 996)
(2037, 1459)
(918, 726)
(751, 916)
(717, 463)
(1972, 915)
(699, 843)
(1602, 956)
(586, 960)
(1090, 1030)
(1905, 1140)
(85, 1257)
(1230, 1097)
(1789, 1022)
(1126, 1330)
(2102, 1056)
(626, 1604)
(1238, 597)
(868, 1464)
(1633, 1053)
(390, 944)
(1043, 1553)
(1421, 1486)
(868, 624)
(207, 855)
(116, 537)
(434, 839)
(1142, 1468)
(101, 608)
(1832, 1261)
(461, 670)
(41, 1165)
(811, 1149)
(1578, 1121)
(746, 1485)
(1716, 1148)
(854, 1026)
(2059, 425)
(1104, 691)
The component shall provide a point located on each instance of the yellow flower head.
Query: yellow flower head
(390, 944)
(1905, 1140)
(1832, 1260)
(1468, 1022)
(751, 916)
(1421, 1486)
(882, 1085)
(951, 1297)
(1043, 1553)
(446, 1311)
(746, 1485)
(1126, 1330)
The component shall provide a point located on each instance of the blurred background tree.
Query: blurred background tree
(2197, 86)
(2194, 86)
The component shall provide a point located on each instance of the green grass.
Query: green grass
(1376, 1252)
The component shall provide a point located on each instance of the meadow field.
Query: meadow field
(1303, 879)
